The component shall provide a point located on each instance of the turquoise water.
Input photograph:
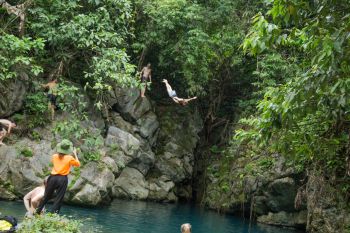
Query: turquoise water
(144, 217)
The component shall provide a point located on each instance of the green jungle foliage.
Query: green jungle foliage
(50, 223)
(272, 75)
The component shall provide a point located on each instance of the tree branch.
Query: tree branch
(19, 11)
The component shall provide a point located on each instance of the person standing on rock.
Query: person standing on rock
(33, 198)
(172, 94)
(52, 96)
(62, 162)
(3, 131)
(145, 75)
(186, 228)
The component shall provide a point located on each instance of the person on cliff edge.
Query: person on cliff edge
(52, 86)
(145, 75)
(3, 131)
(62, 162)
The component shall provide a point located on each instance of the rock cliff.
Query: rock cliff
(147, 154)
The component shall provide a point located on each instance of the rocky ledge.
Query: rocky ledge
(147, 154)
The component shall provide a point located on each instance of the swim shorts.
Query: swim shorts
(172, 94)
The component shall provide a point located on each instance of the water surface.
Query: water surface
(145, 217)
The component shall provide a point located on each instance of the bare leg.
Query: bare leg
(143, 90)
(2, 136)
(52, 110)
(168, 87)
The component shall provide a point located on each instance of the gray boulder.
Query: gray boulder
(131, 184)
(12, 95)
(296, 219)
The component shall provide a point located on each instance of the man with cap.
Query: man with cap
(58, 180)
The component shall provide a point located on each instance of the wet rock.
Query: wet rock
(296, 220)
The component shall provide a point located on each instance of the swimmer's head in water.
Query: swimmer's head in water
(186, 228)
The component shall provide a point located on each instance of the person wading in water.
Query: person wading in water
(144, 76)
(52, 96)
(172, 94)
(57, 181)
(33, 198)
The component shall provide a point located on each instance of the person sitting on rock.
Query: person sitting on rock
(3, 132)
(186, 228)
(172, 94)
(33, 198)
(62, 162)
(52, 96)
(145, 74)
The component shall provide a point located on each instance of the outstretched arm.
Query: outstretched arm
(189, 99)
(142, 72)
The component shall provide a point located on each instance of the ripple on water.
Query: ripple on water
(145, 217)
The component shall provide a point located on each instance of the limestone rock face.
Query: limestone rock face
(131, 184)
(147, 155)
(271, 194)
(12, 94)
(328, 208)
(93, 187)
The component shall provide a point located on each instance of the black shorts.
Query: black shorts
(53, 100)
(144, 79)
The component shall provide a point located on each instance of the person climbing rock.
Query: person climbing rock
(172, 94)
(186, 228)
(58, 180)
(33, 198)
(52, 96)
(3, 132)
(145, 75)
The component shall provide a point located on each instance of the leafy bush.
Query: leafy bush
(50, 223)
(36, 110)
(27, 152)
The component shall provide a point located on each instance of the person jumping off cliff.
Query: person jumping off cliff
(52, 96)
(3, 132)
(145, 74)
(172, 94)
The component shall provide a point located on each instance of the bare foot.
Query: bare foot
(2, 144)
(165, 81)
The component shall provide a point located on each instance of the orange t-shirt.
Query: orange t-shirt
(62, 166)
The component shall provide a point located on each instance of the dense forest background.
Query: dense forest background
(272, 76)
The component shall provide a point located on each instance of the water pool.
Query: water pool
(146, 217)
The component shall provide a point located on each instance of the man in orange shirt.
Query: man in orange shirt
(58, 181)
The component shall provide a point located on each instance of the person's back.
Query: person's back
(33, 199)
(62, 164)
